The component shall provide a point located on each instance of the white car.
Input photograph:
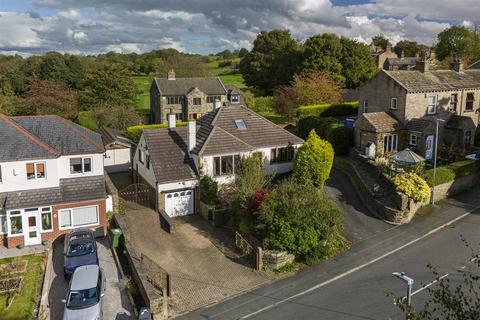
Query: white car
(473, 156)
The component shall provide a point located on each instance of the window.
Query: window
(365, 105)
(468, 137)
(194, 116)
(175, 100)
(278, 155)
(470, 100)
(80, 165)
(148, 162)
(453, 102)
(211, 99)
(432, 105)
(3, 222)
(393, 103)
(240, 124)
(16, 222)
(413, 139)
(178, 116)
(35, 170)
(390, 143)
(46, 219)
(235, 98)
(225, 165)
(197, 101)
(78, 217)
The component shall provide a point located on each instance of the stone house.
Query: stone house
(381, 55)
(188, 98)
(415, 100)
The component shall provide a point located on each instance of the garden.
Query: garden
(20, 284)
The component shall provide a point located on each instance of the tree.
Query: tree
(248, 98)
(314, 161)
(315, 88)
(116, 116)
(272, 61)
(242, 53)
(380, 41)
(408, 48)
(358, 64)
(249, 177)
(285, 101)
(45, 97)
(302, 220)
(458, 42)
(208, 190)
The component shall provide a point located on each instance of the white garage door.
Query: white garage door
(179, 203)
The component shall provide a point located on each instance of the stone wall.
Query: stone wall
(457, 186)
(274, 260)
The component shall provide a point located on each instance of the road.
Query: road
(355, 284)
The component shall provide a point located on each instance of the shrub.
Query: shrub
(134, 132)
(208, 190)
(464, 168)
(328, 110)
(341, 139)
(314, 161)
(307, 124)
(413, 186)
(263, 104)
(302, 220)
(325, 125)
(443, 175)
(248, 179)
(256, 200)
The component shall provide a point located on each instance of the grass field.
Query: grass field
(25, 302)
(228, 75)
(143, 99)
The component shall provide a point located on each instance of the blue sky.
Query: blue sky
(36, 26)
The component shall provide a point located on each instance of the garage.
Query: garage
(179, 203)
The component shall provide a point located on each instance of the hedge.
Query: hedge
(463, 168)
(328, 110)
(443, 175)
(134, 132)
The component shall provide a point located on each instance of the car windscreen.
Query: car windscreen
(80, 248)
(79, 299)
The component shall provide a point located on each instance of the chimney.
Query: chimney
(192, 135)
(172, 121)
(217, 104)
(422, 65)
(388, 47)
(457, 65)
(171, 74)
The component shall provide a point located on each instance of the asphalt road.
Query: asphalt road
(355, 284)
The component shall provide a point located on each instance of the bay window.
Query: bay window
(35, 170)
(80, 165)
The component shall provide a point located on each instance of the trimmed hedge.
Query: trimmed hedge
(443, 175)
(134, 132)
(463, 168)
(328, 110)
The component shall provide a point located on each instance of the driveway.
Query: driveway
(193, 255)
(116, 305)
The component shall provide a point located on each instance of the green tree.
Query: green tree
(116, 116)
(409, 48)
(208, 190)
(248, 98)
(242, 53)
(301, 219)
(358, 65)
(272, 61)
(314, 161)
(380, 41)
(458, 42)
(249, 177)
(315, 88)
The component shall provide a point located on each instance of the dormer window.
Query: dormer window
(234, 98)
(240, 124)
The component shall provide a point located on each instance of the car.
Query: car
(85, 294)
(473, 156)
(80, 250)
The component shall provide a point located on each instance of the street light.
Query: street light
(435, 160)
(409, 282)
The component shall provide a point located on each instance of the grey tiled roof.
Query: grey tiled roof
(419, 125)
(168, 153)
(181, 86)
(439, 80)
(112, 137)
(381, 122)
(460, 122)
(70, 190)
(402, 61)
(221, 142)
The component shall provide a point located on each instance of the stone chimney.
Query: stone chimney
(172, 121)
(422, 65)
(457, 65)
(192, 135)
(171, 74)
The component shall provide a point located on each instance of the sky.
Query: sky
(208, 26)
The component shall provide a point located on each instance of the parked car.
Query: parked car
(473, 156)
(85, 294)
(80, 250)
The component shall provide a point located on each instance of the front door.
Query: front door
(429, 147)
(32, 227)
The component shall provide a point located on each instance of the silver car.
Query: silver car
(85, 294)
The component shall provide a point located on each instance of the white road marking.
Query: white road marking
(366, 264)
(428, 285)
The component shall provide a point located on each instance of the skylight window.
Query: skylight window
(240, 124)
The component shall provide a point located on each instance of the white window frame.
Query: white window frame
(411, 140)
(83, 166)
(235, 98)
(73, 226)
(235, 158)
(4, 214)
(393, 106)
(432, 105)
(390, 143)
(365, 105)
(35, 170)
(9, 223)
(40, 210)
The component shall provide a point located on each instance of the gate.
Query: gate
(139, 193)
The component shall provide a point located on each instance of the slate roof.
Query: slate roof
(113, 138)
(168, 153)
(380, 122)
(419, 125)
(70, 190)
(45, 137)
(460, 122)
(436, 80)
(409, 61)
(181, 86)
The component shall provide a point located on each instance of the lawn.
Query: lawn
(143, 83)
(25, 302)
(228, 75)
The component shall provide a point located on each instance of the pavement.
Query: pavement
(115, 306)
(355, 284)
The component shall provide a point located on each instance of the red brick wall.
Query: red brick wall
(52, 236)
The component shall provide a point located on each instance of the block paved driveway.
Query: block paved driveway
(115, 306)
(201, 274)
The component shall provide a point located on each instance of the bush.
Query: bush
(413, 186)
(330, 129)
(249, 179)
(464, 168)
(443, 175)
(341, 139)
(328, 110)
(307, 124)
(208, 190)
(263, 104)
(256, 200)
(314, 161)
(302, 220)
(134, 132)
